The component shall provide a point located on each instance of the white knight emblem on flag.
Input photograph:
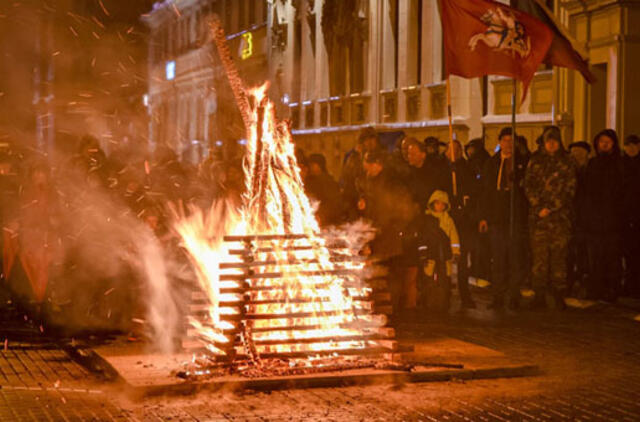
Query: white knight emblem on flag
(504, 33)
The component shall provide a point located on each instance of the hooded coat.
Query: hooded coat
(631, 167)
(604, 194)
(445, 222)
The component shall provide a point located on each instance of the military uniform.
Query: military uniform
(550, 183)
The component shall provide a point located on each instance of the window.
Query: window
(253, 5)
(228, 17)
(395, 22)
(242, 15)
(414, 47)
(347, 45)
(297, 60)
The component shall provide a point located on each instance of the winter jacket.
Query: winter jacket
(326, 191)
(425, 180)
(445, 221)
(478, 159)
(400, 168)
(424, 240)
(495, 200)
(550, 183)
(604, 193)
(475, 164)
(580, 200)
(631, 206)
(462, 206)
(389, 207)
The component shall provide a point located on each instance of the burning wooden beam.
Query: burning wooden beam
(282, 290)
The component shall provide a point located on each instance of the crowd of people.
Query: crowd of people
(558, 221)
(561, 222)
(68, 220)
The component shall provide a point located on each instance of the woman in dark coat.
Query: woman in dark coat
(603, 214)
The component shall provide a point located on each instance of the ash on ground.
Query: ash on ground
(202, 368)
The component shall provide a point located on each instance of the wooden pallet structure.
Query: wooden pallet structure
(277, 298)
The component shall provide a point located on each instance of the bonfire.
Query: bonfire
(280, 296)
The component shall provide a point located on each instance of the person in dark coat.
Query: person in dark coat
(477, 156)
(498, 181)
(577, 260)
(352, 169)
(604, 216)
(435, 155)
(631, 233)
(399, 160)
(550, 185)
(387, 204)
(460, 189)
(168, 176)
(429, 171)
(321, 187)
(90, 159)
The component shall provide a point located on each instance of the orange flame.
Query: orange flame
(327, 315)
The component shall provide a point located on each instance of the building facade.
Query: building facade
(336, 66)
(69, 68)
(339, 66)
(189, 100)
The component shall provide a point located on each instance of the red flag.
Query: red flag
(483, 37)
(563, 51)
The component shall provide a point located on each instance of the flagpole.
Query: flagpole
(454, 187)
(512, 214)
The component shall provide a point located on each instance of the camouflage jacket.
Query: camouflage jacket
(550, 182)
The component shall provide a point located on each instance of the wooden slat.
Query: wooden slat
(244, 265)
(279, 274)
(300, 341)
(205, 306)
(265, 237)
(375, 325)
(317, 340)
(295, 315)
(251, 252)
(201, 297)
(345, 352)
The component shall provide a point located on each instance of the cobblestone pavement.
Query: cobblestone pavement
(590, 359)
(39, 382)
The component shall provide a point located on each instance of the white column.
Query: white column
(436, 44)
(307, 79)
(388, 48)
(321, 67)
(404, 52)
(375, 48)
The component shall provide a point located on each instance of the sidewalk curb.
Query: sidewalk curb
(334, 381)
(100, 365)
(95, 363)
